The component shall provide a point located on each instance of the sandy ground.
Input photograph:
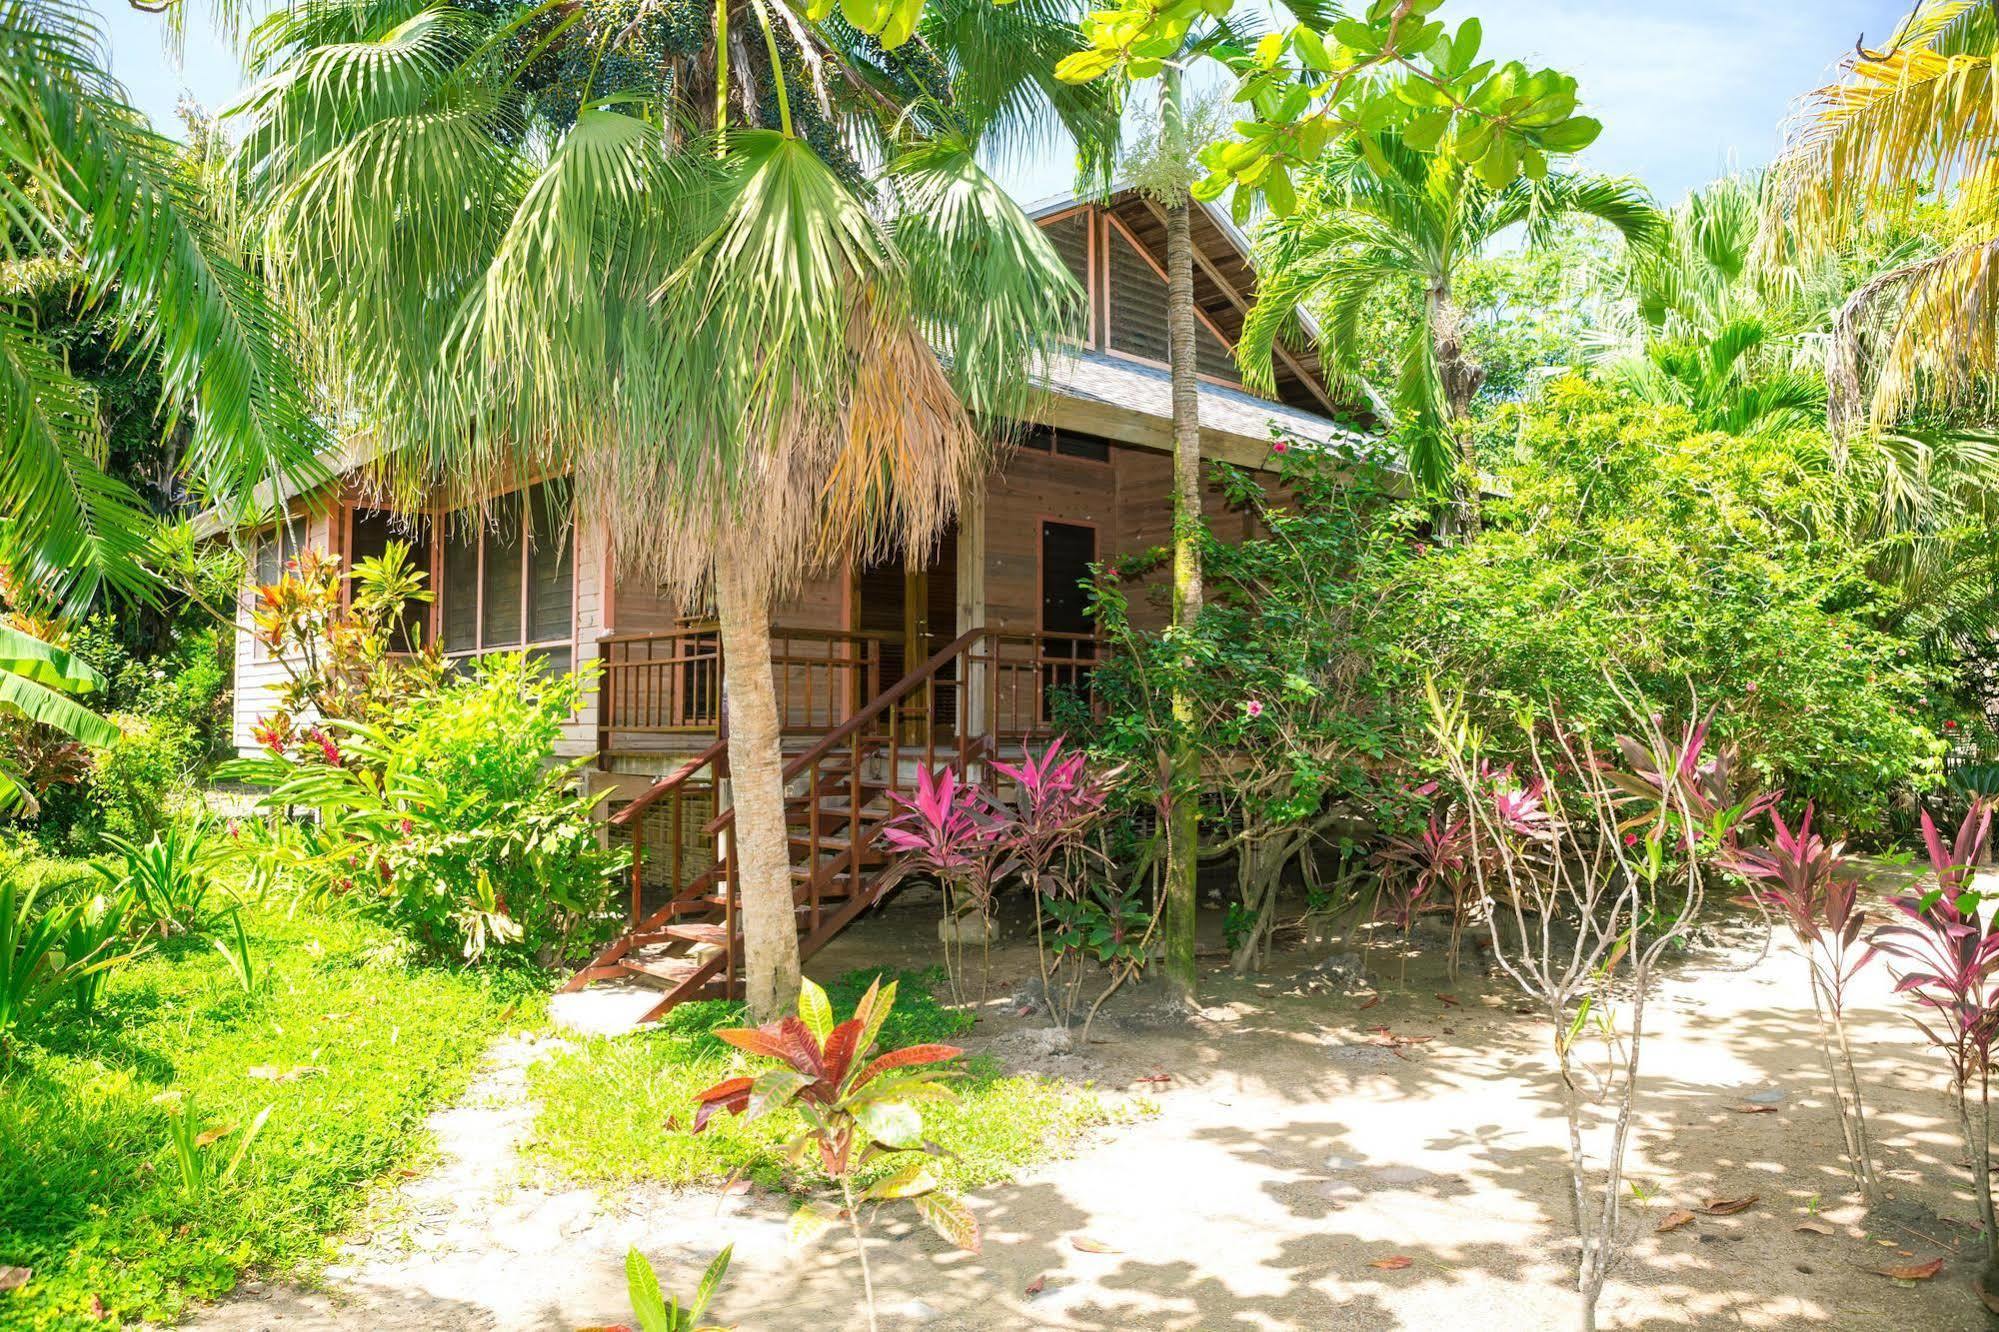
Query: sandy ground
(1292, 1149)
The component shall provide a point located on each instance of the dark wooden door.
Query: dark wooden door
(1067, 551)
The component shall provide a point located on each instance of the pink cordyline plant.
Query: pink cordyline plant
(1056, 801)
(1809, 883)
(1951, 953)
(952, 830)
(1700, 780)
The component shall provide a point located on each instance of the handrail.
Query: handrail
(670, 782)
(882, 703)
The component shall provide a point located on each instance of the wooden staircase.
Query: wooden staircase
(838, 794)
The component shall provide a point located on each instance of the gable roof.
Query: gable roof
(1224, 284)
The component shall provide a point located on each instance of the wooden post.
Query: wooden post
(974, 672)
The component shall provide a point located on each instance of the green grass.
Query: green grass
(90, 1191)
(621, 1110)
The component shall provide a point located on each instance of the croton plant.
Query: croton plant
(857, 1110)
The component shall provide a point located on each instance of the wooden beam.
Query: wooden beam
(1241, 303)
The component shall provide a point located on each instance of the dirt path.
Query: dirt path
(1292, 1149)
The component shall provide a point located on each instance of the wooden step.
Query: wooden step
(670, 971)
(700, 933)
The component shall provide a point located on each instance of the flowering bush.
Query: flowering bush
(448, 820)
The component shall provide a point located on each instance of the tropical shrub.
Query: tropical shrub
(96, 926)
(1812, 886)
(1944, 954)
(857, 1111)
(34, 969)
(1705, 570)
(447, 820)
(1557, 844)
(358, 662)
(950, 831)
(170, 877)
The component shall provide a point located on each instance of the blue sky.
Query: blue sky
(1685, 88)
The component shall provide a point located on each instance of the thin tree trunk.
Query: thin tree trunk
(756, 764)
(1183, 845)
(1461, 376)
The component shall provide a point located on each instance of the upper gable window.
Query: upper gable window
(1070, 238)
(1138, 314)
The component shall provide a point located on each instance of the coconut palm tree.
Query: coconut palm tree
(91, 197)
(1918, 111)
(1376, 214)
(705, 260)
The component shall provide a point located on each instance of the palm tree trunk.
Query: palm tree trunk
(1461, 376)
(1182, 805)
(756, 759)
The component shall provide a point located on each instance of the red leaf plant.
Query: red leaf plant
(1057, 801)
(1950, 950)
(1684, 781)
(952, 831)
(858, 1112)
(1809, 884)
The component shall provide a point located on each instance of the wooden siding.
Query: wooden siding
(258, 673)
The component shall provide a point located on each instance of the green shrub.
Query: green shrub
(450, 821)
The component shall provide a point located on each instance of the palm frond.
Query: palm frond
(67, 527)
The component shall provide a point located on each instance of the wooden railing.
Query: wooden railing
(670, 683)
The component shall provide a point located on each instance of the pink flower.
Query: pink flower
(235, 829)
(326, 745)
(1950, 726)
(1253, 709)
(1751, 687)
(408, 827)
(1281, 446)
(1631, 839)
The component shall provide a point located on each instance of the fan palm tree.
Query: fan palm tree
(1861, 152)
(1375, 214)
(91, 196)
(1707, 324)
(704, 261)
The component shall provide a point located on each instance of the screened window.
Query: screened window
(369, 533)
(1066, 444)
(507, 583)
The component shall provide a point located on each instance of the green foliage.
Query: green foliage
(97, 925)
(449, 821)
(655, 1311)
(170, 877)
(1714, 569)
(35, 970)
(616, 1111)
(353, 1051)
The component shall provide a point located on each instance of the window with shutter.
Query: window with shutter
(507, 582)
(1138, 314)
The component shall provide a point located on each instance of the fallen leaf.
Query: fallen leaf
(97, 1310)
(1084, 1244)
(1448, 1000)
(1911, 1271)
(1747, 1109)
(1394, 1264)
(1372, 1000)
(1729, 1206)
(13, 1278)
(212, 1133)
(1039, 1284)
(737, 1186)
(272, 1073)
(1815, 1227)
(1155, 1078)
(1673, 1220)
